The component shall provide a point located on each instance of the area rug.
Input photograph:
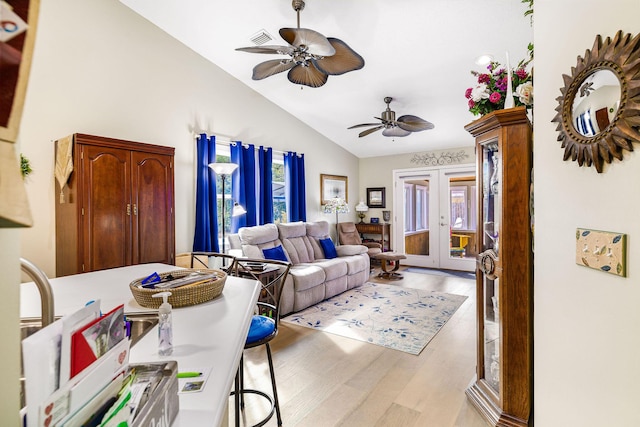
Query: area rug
(396, 317)
(446, 273)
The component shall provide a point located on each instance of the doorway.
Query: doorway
(435, 221)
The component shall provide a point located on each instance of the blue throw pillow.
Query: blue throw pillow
(276, 253)
(329, 248)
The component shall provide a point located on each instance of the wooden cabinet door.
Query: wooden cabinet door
(153, 216)
(105, 200)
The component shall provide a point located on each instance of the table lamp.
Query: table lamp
(361, 208)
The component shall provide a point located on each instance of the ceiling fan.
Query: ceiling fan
(403, 126)
(312, 56)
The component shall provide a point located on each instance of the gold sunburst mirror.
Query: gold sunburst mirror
(599, 109)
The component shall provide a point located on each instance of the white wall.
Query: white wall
(587, 323)
(101, 69)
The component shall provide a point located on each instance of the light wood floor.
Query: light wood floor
(327, 380)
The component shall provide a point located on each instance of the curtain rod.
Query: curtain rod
(225, 140)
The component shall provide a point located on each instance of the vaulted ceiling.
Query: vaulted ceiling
(420, 52)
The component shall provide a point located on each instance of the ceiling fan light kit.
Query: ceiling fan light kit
(312, 56)
(403, 126)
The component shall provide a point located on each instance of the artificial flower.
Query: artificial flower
(479, 92)
(490, 92)
(525, 93)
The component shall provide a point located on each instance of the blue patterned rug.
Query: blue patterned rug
(400, 318)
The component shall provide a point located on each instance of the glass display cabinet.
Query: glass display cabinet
(503, 388)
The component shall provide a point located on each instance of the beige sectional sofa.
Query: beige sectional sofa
(313, 277)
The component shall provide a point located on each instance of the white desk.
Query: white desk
(210, 334)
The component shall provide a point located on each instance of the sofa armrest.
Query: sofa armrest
(347, 250)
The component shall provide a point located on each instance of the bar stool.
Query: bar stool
(263, 328)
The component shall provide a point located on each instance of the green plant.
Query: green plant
(25, 166)
(529, 11)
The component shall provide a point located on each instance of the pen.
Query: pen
(189, 374)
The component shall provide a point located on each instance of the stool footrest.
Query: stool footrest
(261, 394)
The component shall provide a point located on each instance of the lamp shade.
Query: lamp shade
(362, 207)
(223, 168)
(337, 205)
(238, 209)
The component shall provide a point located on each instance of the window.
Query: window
(462, 205)
(223, 154)
(279, 203)
(422, 207)
(458, 207)
(416, 206)
(409, 224)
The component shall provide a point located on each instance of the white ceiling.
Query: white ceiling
(420, 52)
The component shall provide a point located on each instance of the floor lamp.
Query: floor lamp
(224, 170)
(336, 205)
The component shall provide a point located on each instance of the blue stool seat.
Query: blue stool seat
(261, 327)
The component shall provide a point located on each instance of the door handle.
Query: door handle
(443, 224)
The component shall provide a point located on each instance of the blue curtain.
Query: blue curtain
(295, 185)
(265, 189)
(206, 232)
(244, 185)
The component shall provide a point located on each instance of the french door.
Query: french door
(435, 211)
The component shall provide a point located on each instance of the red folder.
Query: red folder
(94, 339)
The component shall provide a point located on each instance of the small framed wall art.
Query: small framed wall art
(332, 186)
(375, 197)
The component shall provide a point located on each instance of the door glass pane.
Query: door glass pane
(490, 244)
(491, 334)
(462, 217)
(416, 214)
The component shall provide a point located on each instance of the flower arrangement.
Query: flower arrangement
(489, 94)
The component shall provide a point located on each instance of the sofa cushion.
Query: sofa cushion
(276, 253)
(306, 276)
(258, 237)
(333, 268)
(295, 242)
(356, 264)
(315, 232)
(258, 234)
(329, 248)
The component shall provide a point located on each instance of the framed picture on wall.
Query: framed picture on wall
(332, 186)
(375, 197)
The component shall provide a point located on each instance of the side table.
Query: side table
(382, 230)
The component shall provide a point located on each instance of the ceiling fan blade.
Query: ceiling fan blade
(363, 125)
(269, 49)
(344, 60)
(269, 68)
(413, 123)
(308, 76)
(395, 131)
(368, 131)
(315, 42)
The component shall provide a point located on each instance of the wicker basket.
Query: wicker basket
(183, 296)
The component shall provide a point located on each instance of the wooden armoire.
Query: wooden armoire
(117, 207)
(503, 389)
